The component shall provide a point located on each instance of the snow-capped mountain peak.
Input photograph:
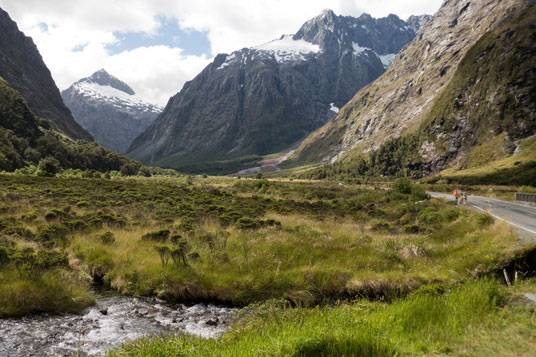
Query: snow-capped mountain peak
(103, 78)
(103, 87)
(109, 109)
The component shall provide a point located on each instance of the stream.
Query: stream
(111, 322)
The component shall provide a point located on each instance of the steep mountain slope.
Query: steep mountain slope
(402, 98)
(109, 110)
(26, 139)
(481, 125)
(23, 68)
(263, 99)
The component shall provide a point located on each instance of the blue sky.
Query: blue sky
(169, 34)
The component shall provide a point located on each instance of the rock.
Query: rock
(412, 251)
(104, 311)
(213, 322)
(531, 297)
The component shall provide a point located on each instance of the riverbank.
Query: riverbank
(474, 317)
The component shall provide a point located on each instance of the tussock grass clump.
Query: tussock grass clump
(53, 291)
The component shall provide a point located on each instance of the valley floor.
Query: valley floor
(277, 245)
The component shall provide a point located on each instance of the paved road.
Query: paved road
(522, 218)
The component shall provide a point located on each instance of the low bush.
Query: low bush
(107, 238)
(157, 236)
(403, 185)
(54, 234)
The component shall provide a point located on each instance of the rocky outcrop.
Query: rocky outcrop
(264, 99)
(23, 68)
(418, 22)
(403, 99)
(109, 109)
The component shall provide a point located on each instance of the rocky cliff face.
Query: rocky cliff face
(421, 90)
(263, 99)
(23, 68)
(109, 109)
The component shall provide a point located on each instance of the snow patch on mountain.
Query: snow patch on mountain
(114, 96)
(287, 49)
(358, 49)
(387, 59)
(333, 108)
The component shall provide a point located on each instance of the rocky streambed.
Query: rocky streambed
(111, 322)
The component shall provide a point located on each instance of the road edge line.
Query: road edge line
(502, 219)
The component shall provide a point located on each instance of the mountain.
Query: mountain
(264, 99)
(461, 95)
(23, 68)
(109, 110)
(418, 22)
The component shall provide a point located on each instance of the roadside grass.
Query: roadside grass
(476, 317)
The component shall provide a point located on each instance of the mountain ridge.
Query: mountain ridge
(263, 99)
(403, 96)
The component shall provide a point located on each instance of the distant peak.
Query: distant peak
(327, 12)
(103, 78)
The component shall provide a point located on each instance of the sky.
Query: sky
(157, 45)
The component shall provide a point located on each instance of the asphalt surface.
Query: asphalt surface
(520, 217)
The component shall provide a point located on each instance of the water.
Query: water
(111, 322)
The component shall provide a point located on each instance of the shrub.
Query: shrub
(48, 259)
(248, 223)
(53, 234)
(430, 216)
(411, 228)
(164, 252)
(4, 256)
(82, 203)
(380, 226)
(157, 236)
(49, 166)
(178, 253)
(175, 238)
(527, 189)
(403, 185)
(484, 219)
(418, 193)
(107, 238)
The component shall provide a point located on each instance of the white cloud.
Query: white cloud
(157, 72)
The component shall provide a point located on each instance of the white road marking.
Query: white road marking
(502, 219)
